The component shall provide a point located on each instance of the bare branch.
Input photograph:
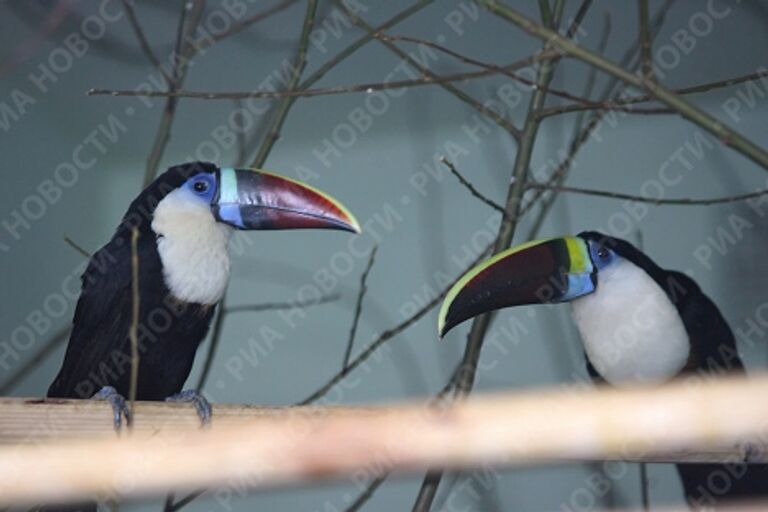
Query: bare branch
(651, 200)
(616, 102)
(364, 496)
(145, 47)
(182, 55)
(240, 25)
(646, 56)
(472, 190)
(725, 134)
(77, 247)
(386, 336)
(299, 64)
(514, 76)
(433, 79)
(458, 93)
(48, 347)
(579, 137)
(358, 307)
(271, 306)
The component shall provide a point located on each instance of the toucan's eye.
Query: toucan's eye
(603, 253)
(200, 186)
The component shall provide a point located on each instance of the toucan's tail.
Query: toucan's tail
(712, 485)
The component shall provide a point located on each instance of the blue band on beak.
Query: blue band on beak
(578, 285)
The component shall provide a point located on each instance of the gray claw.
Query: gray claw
(118, 403)
(202, 406)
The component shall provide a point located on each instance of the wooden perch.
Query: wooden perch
(701, 420)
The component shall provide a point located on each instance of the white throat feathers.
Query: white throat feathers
(631, 331)
(192, 247)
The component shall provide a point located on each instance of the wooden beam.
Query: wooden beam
(263, 447)
(35, 420)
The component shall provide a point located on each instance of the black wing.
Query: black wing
(713, 346)
(101, 322)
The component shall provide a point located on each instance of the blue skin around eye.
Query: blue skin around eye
(229, 213)
(210, 191)
(600, 263)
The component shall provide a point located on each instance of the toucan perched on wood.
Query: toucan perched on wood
(638, 323)
(184, 221)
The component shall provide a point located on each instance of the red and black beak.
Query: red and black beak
(251, 199)
(543, 271)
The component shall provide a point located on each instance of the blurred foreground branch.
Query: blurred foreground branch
(662, 423)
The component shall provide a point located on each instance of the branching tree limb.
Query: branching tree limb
(725, 134)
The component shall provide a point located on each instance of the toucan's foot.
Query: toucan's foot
(201, 404)
(118, 403)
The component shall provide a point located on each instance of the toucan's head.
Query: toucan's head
(190, 211)
(247, 198)
(539, 272)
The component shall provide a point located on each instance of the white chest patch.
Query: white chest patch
(192, 247)
(631, 330)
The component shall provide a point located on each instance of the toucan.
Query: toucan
(183, 221)
(638, 323)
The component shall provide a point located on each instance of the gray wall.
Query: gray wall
(375, 172)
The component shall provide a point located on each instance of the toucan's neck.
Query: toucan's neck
(631, 330)
(192, 248)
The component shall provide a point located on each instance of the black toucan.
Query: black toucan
(637, 321)
(184, 221)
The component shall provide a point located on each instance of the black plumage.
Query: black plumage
(712, 352)
(169, 331)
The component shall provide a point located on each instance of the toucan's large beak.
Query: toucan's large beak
(543, 271)
(251, 199)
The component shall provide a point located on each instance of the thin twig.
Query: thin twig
(183, 53)
(358, 307)
(133, 331)
(299, 64)
(427, 491)
(364, 496)
(240, 134)
(142, 38)
(644, 199)
(224, 310)
(170, 506)
(725, 134)
(218, 326)
(373, 486)
(645, 501)
(613, 103)
(241, 25)
(48, 347)
(432, 79)
(581, 137)
(646, 55)
(472, 190)
(501, 70)
(386, 336)
(270, 306)
(458, 93)
(77, 247)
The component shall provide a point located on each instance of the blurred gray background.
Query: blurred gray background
(386, 172)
